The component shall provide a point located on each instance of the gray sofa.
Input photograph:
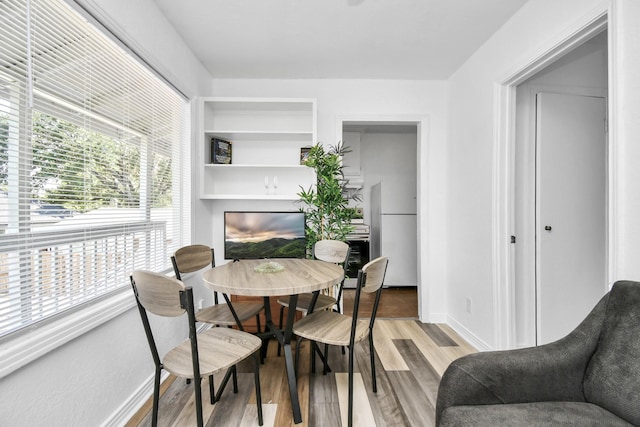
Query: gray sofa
(591, 377)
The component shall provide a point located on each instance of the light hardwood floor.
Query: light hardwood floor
(410, 359)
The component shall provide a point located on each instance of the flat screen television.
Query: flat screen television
(253, 235)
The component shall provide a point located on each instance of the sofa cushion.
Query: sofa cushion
(612, 379)
(530, 415)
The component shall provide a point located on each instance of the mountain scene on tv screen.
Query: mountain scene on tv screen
(271, 248)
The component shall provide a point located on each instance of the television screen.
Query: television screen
(250, 235)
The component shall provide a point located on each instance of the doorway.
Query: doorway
(383, 162)
(429, 300)
(560, 200)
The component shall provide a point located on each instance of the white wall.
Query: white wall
(91, 379)
(536, 28)
(372, 99)
(143, 27)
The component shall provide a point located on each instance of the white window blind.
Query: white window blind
(90, 164)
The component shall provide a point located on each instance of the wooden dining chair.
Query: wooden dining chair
(192, 258)
(331, 328)
(325, 250)
(202, 354)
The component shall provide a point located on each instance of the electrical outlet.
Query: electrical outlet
(468, 301)
(200, 303)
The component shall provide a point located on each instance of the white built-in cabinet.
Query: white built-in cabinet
(266, 135)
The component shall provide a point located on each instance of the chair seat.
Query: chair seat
(329, 327)
(218, 349)
(220, 314)
(304, 301)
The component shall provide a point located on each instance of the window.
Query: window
(91, 160)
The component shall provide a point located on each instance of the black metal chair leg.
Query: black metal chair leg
(224, 382)
(235, 379)
(337, 310)
(198, 390)
(280, 326)
(212, 395)
(256, 376)
(325, 369)
(372, 355)
(324, 358)
(156, 397)
(350, 411)
(312, 348)
(258, 325)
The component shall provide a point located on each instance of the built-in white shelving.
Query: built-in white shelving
(266, 137)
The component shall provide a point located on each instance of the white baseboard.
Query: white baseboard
(133, 404)
(472, 339)
(435, 318)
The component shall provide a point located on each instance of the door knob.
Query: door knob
(547, 227)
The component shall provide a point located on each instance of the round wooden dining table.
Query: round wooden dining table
(291, 276)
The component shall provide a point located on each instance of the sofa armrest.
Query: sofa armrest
(552, 372)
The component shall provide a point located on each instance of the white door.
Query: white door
(570, 210)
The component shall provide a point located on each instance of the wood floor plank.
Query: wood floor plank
(250, 416)
(415, 405)
(324, 406)
(271, 377)
(325, 415)
(232, 406)
(303, 383)
(386, 407)
(409, 363)
(427, 378)
(384, 332)
(431, 351)
(187, 416)
(322, 388)
(438, 336)
(395, 303)
(284, 411)
(363, 417)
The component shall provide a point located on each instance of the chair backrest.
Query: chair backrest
(165, 296)
(334, 251)
(370, 279)
(158, 293)
(331, 251)
(374, 271)
(192, 258)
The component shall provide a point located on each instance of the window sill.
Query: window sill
(29, 346)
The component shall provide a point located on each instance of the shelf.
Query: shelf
(266, 135)
(258, 135)
(286, 197)
(253, 166)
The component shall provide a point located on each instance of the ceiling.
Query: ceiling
(364, 39)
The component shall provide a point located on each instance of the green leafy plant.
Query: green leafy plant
(328, 215)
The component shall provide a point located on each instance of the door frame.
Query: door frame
(503, 198)
(426, 310)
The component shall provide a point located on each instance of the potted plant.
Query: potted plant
(328, 215)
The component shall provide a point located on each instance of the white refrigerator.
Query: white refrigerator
(394, 234)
